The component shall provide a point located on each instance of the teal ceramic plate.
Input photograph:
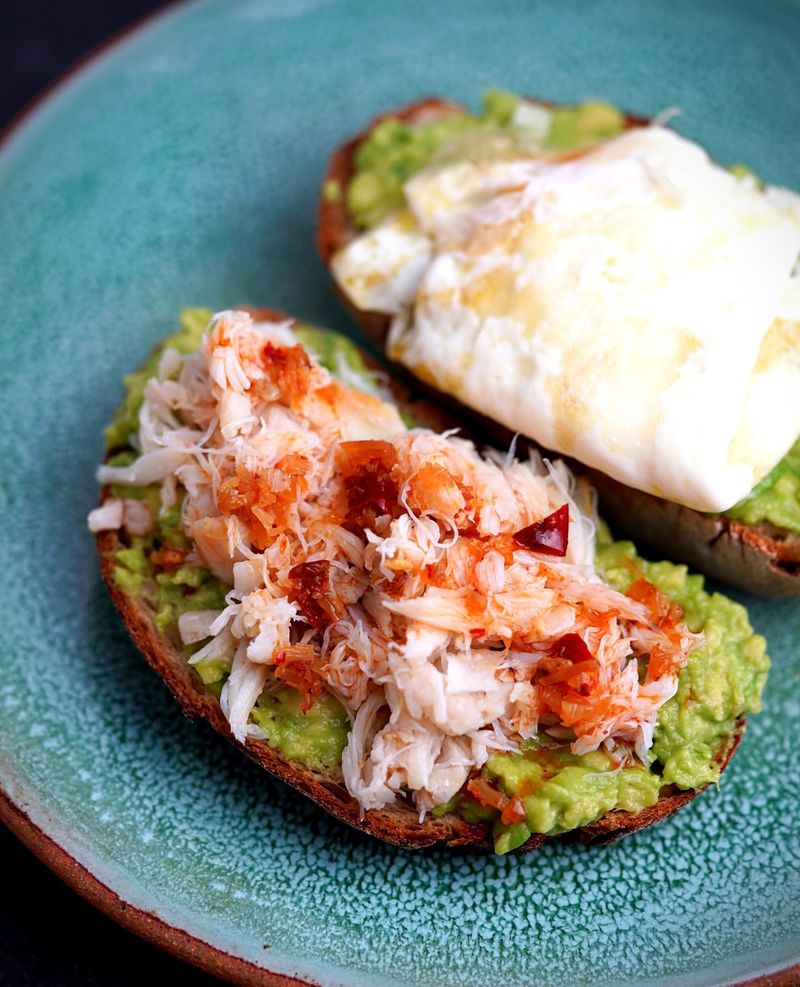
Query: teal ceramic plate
(181, 167)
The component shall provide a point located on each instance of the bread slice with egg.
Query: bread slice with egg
(398, 824)
(757, 557)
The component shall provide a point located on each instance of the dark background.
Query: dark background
(48, 935)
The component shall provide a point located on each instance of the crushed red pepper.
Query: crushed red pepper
(550, 536)
(369, 471)
(299, 667)
(288, 369)
(311, 591)
(573, 648)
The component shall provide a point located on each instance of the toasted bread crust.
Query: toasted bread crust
(759, 557)
(399, 824)
(755, 557)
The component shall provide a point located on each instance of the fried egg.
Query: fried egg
(634, 307)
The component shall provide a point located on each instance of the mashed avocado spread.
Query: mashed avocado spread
(557, 790)
(776, 500)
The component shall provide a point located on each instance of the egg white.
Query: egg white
(634, 307)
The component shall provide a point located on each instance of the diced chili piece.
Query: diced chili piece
(311, 591)
(288, 368)
(484, 793)
(550, 536)
(369, 476)
(298, 667)
(513, 812)
(573, 648)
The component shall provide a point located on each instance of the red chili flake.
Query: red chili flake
(289, 368)
(168, 558)
(549, 536)
(486, 794)
(298, 666)
(573, 648)
(368, 475)
(274, 355)
(664, 610)
(478, 631)
(513, 812)
(311, 591)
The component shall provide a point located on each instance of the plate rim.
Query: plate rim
(148, 925)
(180, 943)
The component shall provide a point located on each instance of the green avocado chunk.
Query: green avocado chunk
(391, 154)
(572, 127)
(722, 681)
(565, 790)
(315, 738)
(169, 594)
(776, 499)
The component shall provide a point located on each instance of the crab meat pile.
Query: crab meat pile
(390, 566)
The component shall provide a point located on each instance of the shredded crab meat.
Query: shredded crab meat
(127, 514)
(379, 563)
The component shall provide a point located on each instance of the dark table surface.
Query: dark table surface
(49, 937)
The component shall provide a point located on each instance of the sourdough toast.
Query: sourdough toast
(398, 824)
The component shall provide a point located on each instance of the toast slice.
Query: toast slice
(398, 824)
(759, 558)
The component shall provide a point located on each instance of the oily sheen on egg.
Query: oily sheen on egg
(633, 307)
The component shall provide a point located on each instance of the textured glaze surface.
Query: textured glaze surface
(182, 169)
